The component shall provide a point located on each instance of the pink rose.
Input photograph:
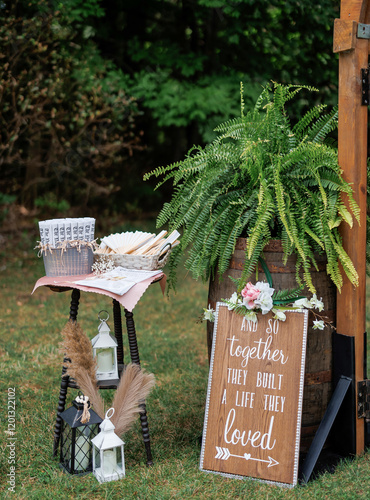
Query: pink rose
(250, 293)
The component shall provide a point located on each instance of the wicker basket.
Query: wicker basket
(68, 262)
(144, 262)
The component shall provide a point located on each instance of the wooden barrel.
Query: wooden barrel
(318, 371)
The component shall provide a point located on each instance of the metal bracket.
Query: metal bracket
(365, 86)
(363, 399)
(363, 30)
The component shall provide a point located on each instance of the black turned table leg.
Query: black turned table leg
(75, 298)
(118, 330)
(134, 354)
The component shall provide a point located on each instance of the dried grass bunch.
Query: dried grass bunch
(134, 386)
(76, 347)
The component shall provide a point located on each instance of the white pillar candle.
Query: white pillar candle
(105, 361)
(82, 449)
(109, 461)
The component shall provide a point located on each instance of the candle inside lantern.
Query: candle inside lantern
(105, 361)
(109, 461)
(82, 453)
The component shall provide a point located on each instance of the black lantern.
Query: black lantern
(80, 424)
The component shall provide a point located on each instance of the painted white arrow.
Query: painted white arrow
(271, 461)
(224, 454)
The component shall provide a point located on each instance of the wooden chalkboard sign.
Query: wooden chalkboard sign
(254, 401)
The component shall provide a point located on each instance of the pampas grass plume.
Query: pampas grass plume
(133, 388)
(76, 346)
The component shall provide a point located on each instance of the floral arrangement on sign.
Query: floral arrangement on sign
(262, 298)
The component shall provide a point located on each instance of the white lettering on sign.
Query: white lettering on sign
(255, 439)
(223, 402)
(245, 399)
(260, 351)
(236, 376)
(248, 325)
(268, 380)
(274, 403)
(273, 326)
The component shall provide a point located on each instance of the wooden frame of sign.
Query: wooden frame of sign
(254, 401)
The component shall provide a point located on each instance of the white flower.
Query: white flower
(279, 314)
(318, 304)
(233, 301)
(265, 287)
(209, 314)
(264, 301)
(251, 316)
(249, 304)
(303, 303)
(318, 324)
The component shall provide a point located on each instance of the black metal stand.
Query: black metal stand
(324, 428)
(343, 436)
(340, 417)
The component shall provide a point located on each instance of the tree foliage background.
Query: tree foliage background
(94, 94)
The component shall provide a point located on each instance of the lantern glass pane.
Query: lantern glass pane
(75, 455)
(82, 460)
(97, 458)
(119, 457)
(105, 359)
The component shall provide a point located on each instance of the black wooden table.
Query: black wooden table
(67, 382)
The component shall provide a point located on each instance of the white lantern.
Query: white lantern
(105, 351)
(108, 455)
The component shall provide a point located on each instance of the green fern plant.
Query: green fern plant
(263, 179)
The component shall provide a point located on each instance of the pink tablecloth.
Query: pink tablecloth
(128, 300)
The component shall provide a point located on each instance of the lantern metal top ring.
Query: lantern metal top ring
(103, 311)
(111, 415)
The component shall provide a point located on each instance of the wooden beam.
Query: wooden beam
(354, 10)
(344, 35)
(352, 154)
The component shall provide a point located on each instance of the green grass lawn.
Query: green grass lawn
(172, 346)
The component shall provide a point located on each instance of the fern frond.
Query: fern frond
(262, 177)
(323, 126)
(302, 125)
(286, 296)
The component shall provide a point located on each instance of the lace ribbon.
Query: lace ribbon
(64, 245)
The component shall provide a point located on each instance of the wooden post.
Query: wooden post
(352, 153)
